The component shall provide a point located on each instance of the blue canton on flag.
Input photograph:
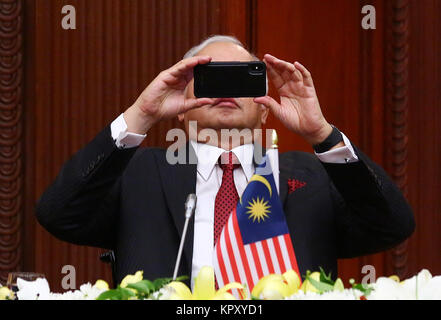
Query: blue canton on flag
(259, 212)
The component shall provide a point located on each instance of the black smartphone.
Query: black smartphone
(230, 79)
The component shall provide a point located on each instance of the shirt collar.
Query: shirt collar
(208, 156)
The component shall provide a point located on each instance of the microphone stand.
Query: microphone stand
(190, 206)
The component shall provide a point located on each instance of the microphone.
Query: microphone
(190, 206)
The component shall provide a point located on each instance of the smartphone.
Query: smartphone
(230, 79)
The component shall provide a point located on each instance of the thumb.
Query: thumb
(193, 103)
(270, 103)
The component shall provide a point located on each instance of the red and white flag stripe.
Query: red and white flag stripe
(246, 264)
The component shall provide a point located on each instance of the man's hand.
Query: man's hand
(164, 98)
(299, 108)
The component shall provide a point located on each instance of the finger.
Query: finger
(275, 77)
(307, 78)
(272, 59)
(287, 70)
(183, 67)
(269, 102)
(279, 64)
(193, 61)
(193, 103)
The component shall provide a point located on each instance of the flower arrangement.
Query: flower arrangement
(288, 286)
(39, 290)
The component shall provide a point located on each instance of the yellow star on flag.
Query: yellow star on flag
(258, 209)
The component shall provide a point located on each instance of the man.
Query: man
(112, 195)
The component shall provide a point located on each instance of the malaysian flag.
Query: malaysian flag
(255, 241)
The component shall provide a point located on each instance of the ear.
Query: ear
(264, 115)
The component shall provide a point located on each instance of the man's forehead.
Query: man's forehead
(225, 51)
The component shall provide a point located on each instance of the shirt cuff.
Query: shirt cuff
(345, 154)
(124, 139)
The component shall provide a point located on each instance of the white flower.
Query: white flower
(165, 293)
(69, 295)
(347, 294)
(86, 292)
(91, 292)
(432, 290)
(421, 286)
(388, 289)
(33, 290)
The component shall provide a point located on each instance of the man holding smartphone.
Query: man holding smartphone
(114, 195)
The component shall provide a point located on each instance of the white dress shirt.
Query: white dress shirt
(208, 182)
(209, 179)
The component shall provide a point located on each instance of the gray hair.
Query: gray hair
(212, 39)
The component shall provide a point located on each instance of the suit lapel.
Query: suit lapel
(178, 181)
(283, 183)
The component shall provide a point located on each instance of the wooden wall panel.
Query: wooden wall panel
(424, 130)
(396, 111)
(84, 78)
(371, 115)
(11, 129)
(237, 17)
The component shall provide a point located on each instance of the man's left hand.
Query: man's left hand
(299, 108)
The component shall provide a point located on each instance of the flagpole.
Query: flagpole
(273, 155)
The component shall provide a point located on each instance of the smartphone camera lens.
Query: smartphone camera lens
(256, 69)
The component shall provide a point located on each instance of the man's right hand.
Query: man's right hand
(165, 98)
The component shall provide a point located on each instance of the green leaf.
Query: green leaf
(365, 288)
(161, 282)
(116, 294)
(326, 278)
(144, 287)
(181, 278)
(113, 294)
(126, 294)
(320, 286)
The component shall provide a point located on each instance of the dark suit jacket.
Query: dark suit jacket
(132, 201)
